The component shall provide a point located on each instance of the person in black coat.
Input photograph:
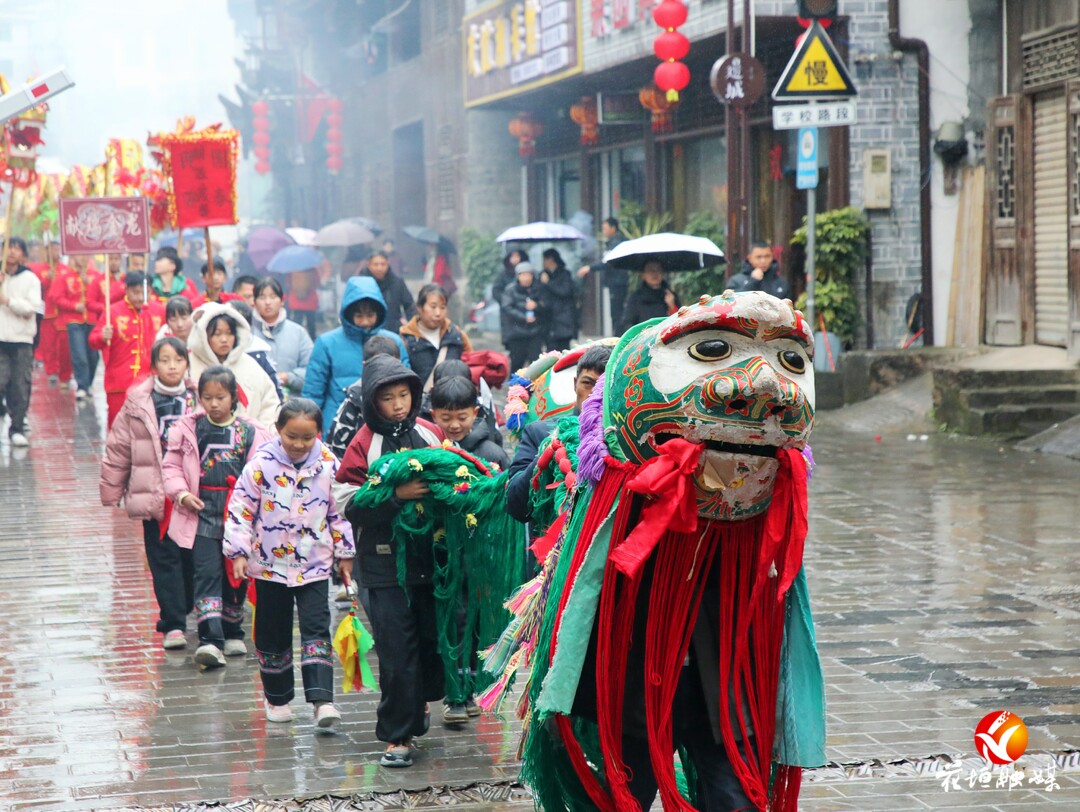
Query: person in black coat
(510, 261)
(616, 280)
(559, 294)
(652, 299)
(399, 302)
(521, 302)
(759, 271)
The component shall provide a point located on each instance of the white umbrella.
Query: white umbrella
(343, 233)
(676, 252)
(303, 236)
(540, 232)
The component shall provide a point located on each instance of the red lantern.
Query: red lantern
(669, 14)
(336, 105)
(260, 108)
(654, 100)
(334, 163)
(584, 114)
(261, 138)
(262, 167)
(262, 153)
(335, 149)
(526, 128)
(671, 45)
(671, 76)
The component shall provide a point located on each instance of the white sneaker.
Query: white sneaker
(326, 715)
(174, 639)
(278, 713)
(209, 656)
(235, 648)
(81, 394)
(345, 594)
(18, 439)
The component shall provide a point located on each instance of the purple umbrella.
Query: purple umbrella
(264, 242)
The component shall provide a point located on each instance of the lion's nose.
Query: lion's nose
(754, 392)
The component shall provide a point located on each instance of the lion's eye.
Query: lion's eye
(714, 349)
(792, 361)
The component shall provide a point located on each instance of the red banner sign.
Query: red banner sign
(104, 225)
(202, 166)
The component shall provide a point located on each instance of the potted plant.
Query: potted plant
(840, 251)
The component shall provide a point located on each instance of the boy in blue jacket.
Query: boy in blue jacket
(337, 359)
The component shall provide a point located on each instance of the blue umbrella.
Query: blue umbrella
(294, 258)
(168, 238)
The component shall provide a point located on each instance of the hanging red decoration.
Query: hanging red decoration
(526, 128)
(671, 45)
(334, 147)
(654, 100)
(584, 114)
(671, 75)
(260, 123)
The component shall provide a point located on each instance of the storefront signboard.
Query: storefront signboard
(513, 46)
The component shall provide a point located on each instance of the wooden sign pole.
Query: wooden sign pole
(209, 249)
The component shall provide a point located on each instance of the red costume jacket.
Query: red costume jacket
(46, 275)
(95, 299)
(68, 292)
(127, 356)
(223, 298)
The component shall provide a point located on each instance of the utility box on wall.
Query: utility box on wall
(877, 179)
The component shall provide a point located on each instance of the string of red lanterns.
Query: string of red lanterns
(334, 148)
(671, 75)
(260, 123)
(585, 115)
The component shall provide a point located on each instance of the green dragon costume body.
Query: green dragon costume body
(676, 561)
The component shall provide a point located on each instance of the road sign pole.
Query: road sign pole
(811, 245)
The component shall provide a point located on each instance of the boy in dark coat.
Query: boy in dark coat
(406, 641)
(454, 410)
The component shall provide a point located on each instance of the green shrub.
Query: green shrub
(481, 261)
(839, 252)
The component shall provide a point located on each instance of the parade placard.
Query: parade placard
(202, 166)
(104, 225)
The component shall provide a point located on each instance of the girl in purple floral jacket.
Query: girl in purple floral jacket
(284, 530)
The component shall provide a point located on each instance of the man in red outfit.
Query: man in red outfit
(70, 292)
(53, 345)
(214, 280)
(126, 340)
(95, 299)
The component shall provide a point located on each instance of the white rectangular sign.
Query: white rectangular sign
(821, 114)
(33, 93)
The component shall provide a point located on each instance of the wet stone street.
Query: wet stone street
(943, 574)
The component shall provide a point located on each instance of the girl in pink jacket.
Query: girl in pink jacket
(284, 529)
(131, 473)
(206, 454)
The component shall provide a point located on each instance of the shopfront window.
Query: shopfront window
(621, 177)
(559, 192)
(698, 178)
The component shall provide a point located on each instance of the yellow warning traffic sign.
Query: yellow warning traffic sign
(815, 70)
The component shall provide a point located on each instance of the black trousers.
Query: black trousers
(523, 351)
(559, 343)
(308, 319)
(16, 369)
(718, 788)
(172, 569)
(273, 640)
(410, 668)
(219, 607)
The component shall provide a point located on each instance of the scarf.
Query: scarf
(162, 389)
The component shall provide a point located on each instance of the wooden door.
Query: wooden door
(1051, 217)
(1007, 299)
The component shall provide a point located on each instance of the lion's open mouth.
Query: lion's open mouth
(749, 449)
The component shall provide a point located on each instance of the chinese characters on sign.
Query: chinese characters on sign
(608, 16)
(835, 114)
(517, 45)
(1007, 777)
(202, 166)
(99, 225)
(737, 79)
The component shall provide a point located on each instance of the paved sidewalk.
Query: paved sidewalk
(941, 571)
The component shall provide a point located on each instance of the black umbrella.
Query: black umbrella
(431, 237)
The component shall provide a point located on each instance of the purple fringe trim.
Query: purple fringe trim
(592, 450)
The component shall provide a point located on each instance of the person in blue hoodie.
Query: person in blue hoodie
(337, 359)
